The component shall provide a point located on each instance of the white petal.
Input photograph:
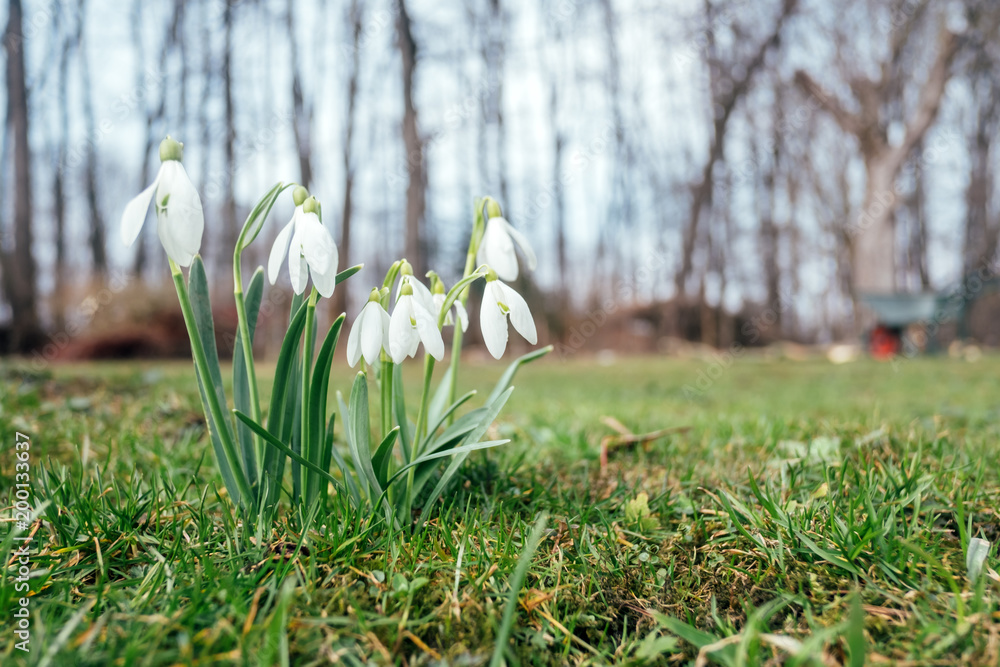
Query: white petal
(324, 282)
(135, 214)
(463, 316)
(423, 295)
(181, 224)
(373, 334)
(316, 243)
(522, 242)
(520, 315)
(298, 270)
(279, 250)
(492, 321)
(354, 340)
(975, 557)
(429, 333)
(497, 250)
(403, 337)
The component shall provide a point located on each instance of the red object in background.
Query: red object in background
(885, 342)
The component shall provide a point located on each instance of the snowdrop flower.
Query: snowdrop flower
(975, 557)
(411, 324)
(312, 253)
(496, 248)
(499, 301)
(180, 221)
(420, 291)
(370, 333)
(439, 296)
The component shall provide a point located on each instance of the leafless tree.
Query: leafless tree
(416, 188)
(19, 267)
(880, 104)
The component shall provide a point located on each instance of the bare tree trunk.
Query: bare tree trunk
(558, 141)
(19, 264)
(341, 300)
(726, 102)
(980, 245)
(873, 233)
(59, 181)
(95, 240)
(417, 186)
(302, 121)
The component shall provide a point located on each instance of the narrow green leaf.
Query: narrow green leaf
(380, 461)
(516, 583)
(399, 409)
(347, 273)
(441, 418)
(440, 398)
(492, 410)
(270, 439)
(359, 424)
(285, 390)
(318, 393)
(241, 380)
(258, 215)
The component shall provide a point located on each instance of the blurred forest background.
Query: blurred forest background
(719, 171)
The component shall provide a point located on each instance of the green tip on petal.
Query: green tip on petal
(310, 205)
(493, 208)
(300, 195)
(375, 295)
(171, 149)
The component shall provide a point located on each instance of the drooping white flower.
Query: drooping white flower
(370, 333)
(439, 296)
(420, 291)
(180, 221)
(457, 312)
(975, 557)
(499, 302)
(496, 249)
(411, 324)
(311, 252)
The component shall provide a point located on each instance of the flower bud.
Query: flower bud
(171, 149)
(310, 205)
(437, 287)
(493, 208)
(300, 195)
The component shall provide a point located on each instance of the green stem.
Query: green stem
(307, 354)
(201, 367)
(418, 432)
(244, 328)
(456, 341)
(386, 394)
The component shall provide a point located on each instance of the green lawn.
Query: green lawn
(801, 513)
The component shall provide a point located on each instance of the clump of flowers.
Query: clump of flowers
(386, 469)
